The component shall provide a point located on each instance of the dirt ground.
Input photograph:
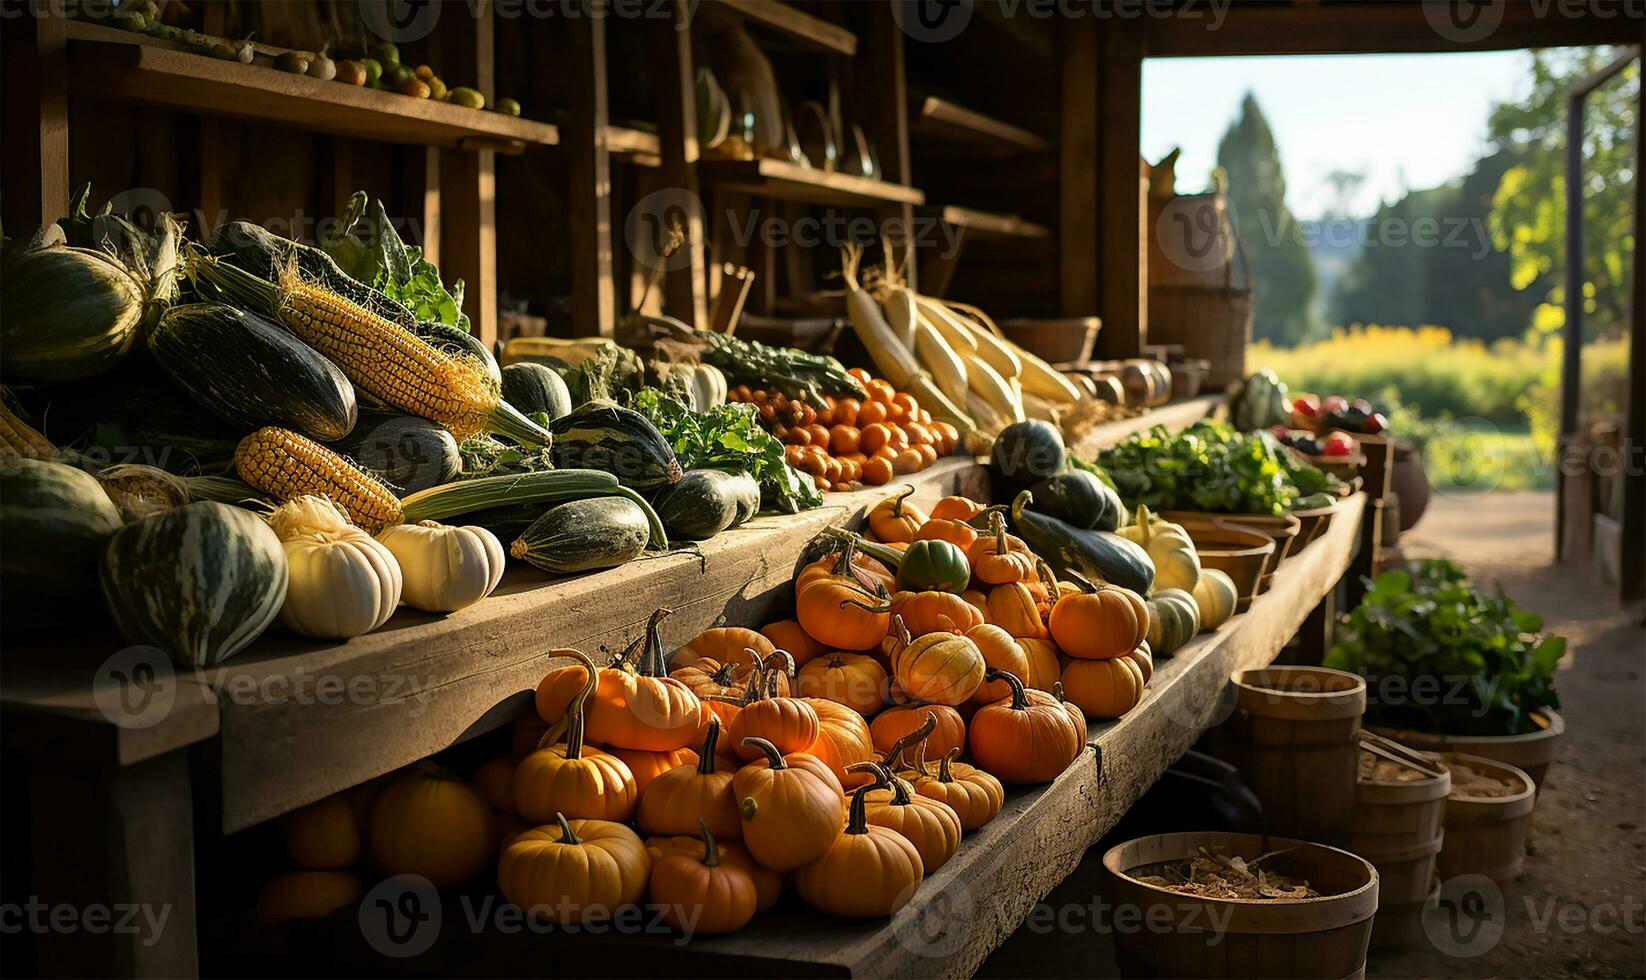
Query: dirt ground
(1579, 908)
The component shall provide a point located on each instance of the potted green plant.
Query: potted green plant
(1451, 668)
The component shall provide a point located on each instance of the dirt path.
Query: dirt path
(1579, 909)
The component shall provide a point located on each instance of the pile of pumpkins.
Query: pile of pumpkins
(1186, 599)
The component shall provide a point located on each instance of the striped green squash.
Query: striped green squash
(620, 441)
(200, 582)
(54, 523)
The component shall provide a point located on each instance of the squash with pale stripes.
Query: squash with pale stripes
(54, 521)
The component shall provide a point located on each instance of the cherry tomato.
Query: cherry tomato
(881, 391)
(871, 412)
(808, 414)
(951, 436)
(819, 434)
(794, 456)
(873, 436)
(908, 461)
(844, 439)
(863, 377)
(825, 415)
(899, 439)
(919, 435)
(877, 472)
(799, 436)
(845, 413)
(928, 454)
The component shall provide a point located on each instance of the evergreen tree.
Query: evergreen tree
(1283, 278)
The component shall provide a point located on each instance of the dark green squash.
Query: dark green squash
(250, 373)
(406, 452)
(1094, 554)
(536, 388)
(702, 504)
(54, 523)
(584, 535)
(461, 344)
(1027, 451)
(621, 441)
(1079, 498)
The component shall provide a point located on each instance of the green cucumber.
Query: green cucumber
(584, 535)
(702, 504)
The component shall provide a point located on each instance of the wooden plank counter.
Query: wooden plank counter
(961, 913)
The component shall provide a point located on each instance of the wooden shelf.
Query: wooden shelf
(1173, 415)
(987, 224)
(638, 146)
(968, 907)
(941, 121)
(108, 63)
(781, 18)
(808, 185)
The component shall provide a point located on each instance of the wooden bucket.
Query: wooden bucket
(1533, 753)
(1239, 552)
(1397, 827)
(1312, 524)
(1293, 737)
(1191, 936)
(1487, 835)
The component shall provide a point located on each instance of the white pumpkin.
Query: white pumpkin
(445, 567)
(1176, 563)
(1216, 595)
(341, 582)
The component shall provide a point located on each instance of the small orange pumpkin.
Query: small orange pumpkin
(788, 723)
(1026, 738)
(584, 782)
(723, 645)
(894, 520)
(1104, 688)
(1002, 651)
(325, 835)
(786, 634)
(843, 738)
(635, 706)
(998, 558)
(939, 668)
(975, 796)
(1044, 666)
(768, 884)
(978, 600)
(684, 797)
(1106, 622)
(647, 766)
(897, 722)
(1012, 607)
(855, 680)
(574, 871)
(792, 807)
(832, 607)
(953, 508)
(702, 895)
(930, 825)
(866, 872)
(1143, 657)
(958, 533)
(935, 612)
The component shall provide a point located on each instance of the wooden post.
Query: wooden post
(1632, 461)
(1376, 477)
(34, 107)
(1315, 636)
(1123, 280)
(468, 179)
(686, 286)
(1077, 225)
(882, 104)
(1571, 360)
(588, 158)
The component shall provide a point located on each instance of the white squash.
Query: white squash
(1176, 563)
(341, 581)
(445, 567)
(1216, 595)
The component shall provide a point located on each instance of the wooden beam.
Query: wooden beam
(686, 285)
(34, 122)
(791, 22)
(883, 111)
(1123, 288)
(1077, 224)
(468, 181)
(589, 217)
(1632, 470)
(1199, 29)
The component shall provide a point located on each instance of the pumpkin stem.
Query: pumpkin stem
(1020, 697)
(997, 527)
(846, 568)
(920, 770)
(774, 758)
(574, 709)
(1047, 576)
(919, 734)
(1019, 503)
(1085, 584)
(900, 631)
(858, 820)
(945, 765)
(884, 605)
(711, 849)
(711, 741)
(566, 834)
(651, 658)
(898, 498)
(984, 519)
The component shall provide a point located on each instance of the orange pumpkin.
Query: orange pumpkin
(868, 572)
(788, 723)
(843, 738)
(1044, 667)
(833, 607)
(768, 884)
(894, 723)
(709, 679)
(894, 521)
(958, 533)
(1143, 657)
(954, 508)
(1108, 621)
(677, 800)
(647, 766)
(495, 781)
(930, 825)
(978, 600)
(635, 706)
(702, 895)
(1104, 688)
(855, 680)
(574, 871)
(975, 796)
(998, 557)
(326, 834)
(935, 612)
(939, 668)
(723, 645)
(1013, 608)
(428, 822)
(1002, 651)
(584, 782)
(792, 807)
(866, 872)
(786, 634)
(1026, 738)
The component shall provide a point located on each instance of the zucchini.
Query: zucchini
(200, 582)
(1100, 555)
(701, 505)
(250, 373)
(536, 388)
(404, 451)
(510, 520)
(621, 441)
(584, 535)
(54, 522)
(1079, 498)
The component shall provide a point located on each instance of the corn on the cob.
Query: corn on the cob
(284, 464)
(1040, 378)
(947, 324)
(18, 438)
(992, 388)
(947, 368)
(378, 356)
(901, 316)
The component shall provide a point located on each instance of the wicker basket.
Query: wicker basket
(1214, 323)
(1055, 341)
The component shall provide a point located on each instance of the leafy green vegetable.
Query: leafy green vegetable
(1206, 467)
(730, 438)
(394, 268)
(1440, 655)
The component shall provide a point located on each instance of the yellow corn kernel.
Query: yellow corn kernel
(284, 464)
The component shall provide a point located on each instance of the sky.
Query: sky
(1406, 121)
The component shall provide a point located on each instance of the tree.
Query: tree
(1283, 278)
(1529, 207)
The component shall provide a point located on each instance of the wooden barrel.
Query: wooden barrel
(1292, 736)
(1397, 827)
(1532, 753)
(1487, 835)
(1191, 936)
